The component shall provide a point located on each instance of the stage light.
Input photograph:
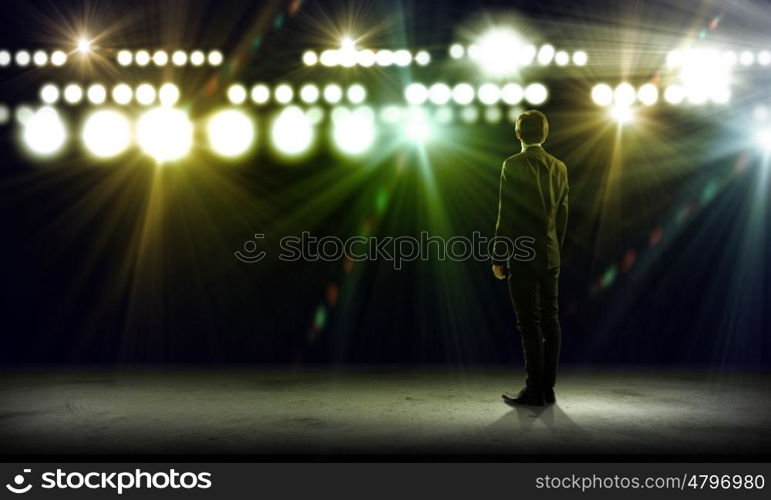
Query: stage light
(237, 93)
(416, 93)
(746, 58)
(624, 95)
(443, 114)
(697, 94)
(365, 58)
(729, 58)
(122, 94)
(493, 114)
(106, 133)
(675, 58)
(260, 93)
(197, 58)
(580, 58)
(536, 93)
(309, 93)
(526, 55)
(40, 58)
(215, 58)
(703, 74)
(5, 58)
(469, 114)
(310, 58)
(497, 52)
(463, 93)
(283, 93)
(315, 114)
(764, 57)
(73, 93)
(23, 114)
(96, 94)
(674, 94)
(457, 51)
(439, 94)
(168, 94)
(489, 93)
(160, 58)
(391, 114)
(124, 57)
(145, 94)
(356, 93)
(545, 55)
(402, 57)
(512, 93)
(763, 139)
(165, 134)
(49, 93)
(347, 54)
(22, 58)
(621, 113)
(423, 58)
(84, 46)
(179, 58)
(602, 94)
(333, 93)
(561, 58)
(231, 133)
(330, 58)
(354, 131)
(721, 95)
(417, 127)
(648, 94)
(292, 132)
(142, 58)
(473, 52)
(384, 57)
(338, 112)
(58, 58)
(44, 132)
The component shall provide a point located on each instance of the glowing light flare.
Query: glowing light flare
(648, 94)
(621, 113)
(237, 94)
(512, 94)
(165, 134)
(49, 93)
(463, 94)
(73, 93)
(763, 139)
(439, 94)
(44, 133)
(106, 133)
(122, 94)
(417, 127)
(356, 93)
(416, 93)
(333, 93)
(354, 131)
(231, 133)
(602, 94)
(260, 93)
(489, 93)
(580, 58)
(96, 94)
(497, 52)
(84, 45)
(292, 132)
(536, 93)
(168, 94)
(624, 94)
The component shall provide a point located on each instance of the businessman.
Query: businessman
(533, 205)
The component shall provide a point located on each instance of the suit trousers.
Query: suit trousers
(534, 296)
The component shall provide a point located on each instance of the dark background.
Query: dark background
(120, 262)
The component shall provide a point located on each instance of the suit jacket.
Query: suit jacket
(533, 201)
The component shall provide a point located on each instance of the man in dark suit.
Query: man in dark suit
(533, 203)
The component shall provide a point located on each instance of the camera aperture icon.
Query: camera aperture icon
(18, 481)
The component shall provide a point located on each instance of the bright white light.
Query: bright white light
(356, 93)
(602, 94)
(23, 114)
(463, 94)
(44, 132)
(145, 94)
(489, 93)
(122, 94)
(96, 94)
(84, 46)
(512, 93)
(675, 58)
(721, 95)
(215, 58)
(49, 93)
(526, 55)
(624, 95)
(292, 132)
(561, 58)
(422, 58)
(106, 133)
(354, 131)
(439, 94)
(457, 51)
(168, 94)
(165, 134)
(497, 53)
(309, 93)
(58, 58)
(763, 138)
(160, 58)
(493, 114)
(674, 94)
(536, 93)
(648, 94)
(365, 58)
(333, 93)
(384, 57)
(473, 52)
(124, 57)
(416, 93)
(545, 55)
(260, 93)
(580, 58)
(402, 57)
(197, 58)
(22, 58)
(417, 127)
(179, 58)
(40, 58)
(310, 58)
(142, 58)
(704, 74)
(73, 94)
(347, 53)
(283, 94)
(231, 133)
(237, 93)
(330, 57)
(729, 58)
(764, 58)
(469, 114)
(746, 58)
(5, 58)
(621, 113)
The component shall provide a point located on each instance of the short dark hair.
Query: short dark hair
(532, 127)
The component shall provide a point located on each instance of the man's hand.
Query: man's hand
(499, 272)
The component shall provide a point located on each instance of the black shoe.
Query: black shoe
(525, 397)
(548, 396)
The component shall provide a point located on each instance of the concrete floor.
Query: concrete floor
(265, 412)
